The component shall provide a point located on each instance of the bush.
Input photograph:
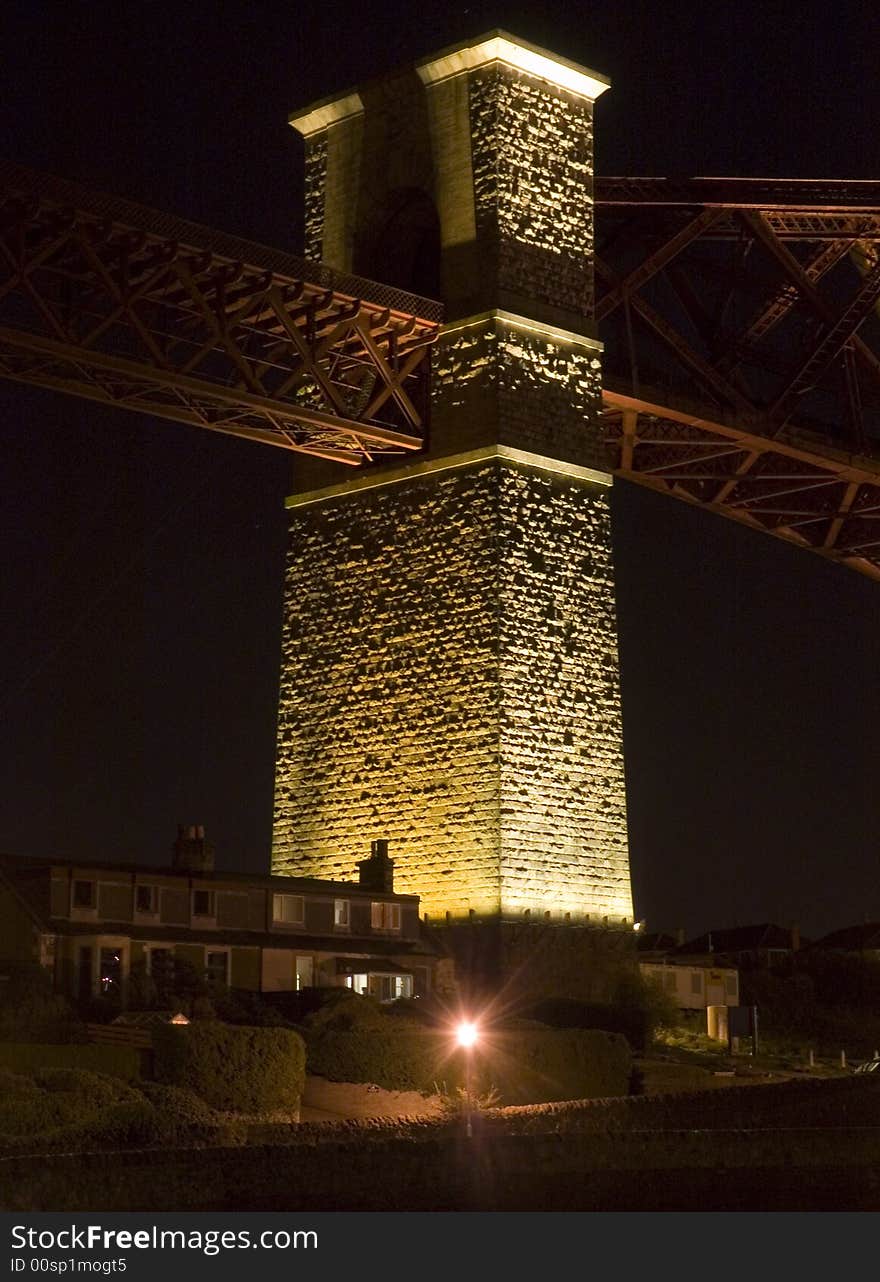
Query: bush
(30, 1011)
(638, 1010)
(531, 1064)
(237, 1006)
(247, 1070)
(63, 1104)
(352, 1039)
(525, 1062)
(117, 1061)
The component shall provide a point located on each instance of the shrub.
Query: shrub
(352, 1039)
(68, 1105)
(248, 1070)
(534, 1064)
(638, 1010)
(117, 1061)
(237, 1006)
(31, 1011)
(524, 1062)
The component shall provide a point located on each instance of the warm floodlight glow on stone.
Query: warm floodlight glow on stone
(499, 47)
(466, 1034)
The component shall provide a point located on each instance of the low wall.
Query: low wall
(536, 1158)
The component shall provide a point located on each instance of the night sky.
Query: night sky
(140, 594)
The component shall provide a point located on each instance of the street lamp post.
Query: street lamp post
(466, 1034)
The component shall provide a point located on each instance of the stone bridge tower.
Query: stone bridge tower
(450, 672)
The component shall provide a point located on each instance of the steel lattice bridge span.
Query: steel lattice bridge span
(739, 317)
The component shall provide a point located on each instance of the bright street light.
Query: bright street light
(466, 1035)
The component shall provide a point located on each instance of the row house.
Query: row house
(94, 925)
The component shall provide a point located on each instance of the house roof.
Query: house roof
(852, 939)
(25, 863)
(741, 939)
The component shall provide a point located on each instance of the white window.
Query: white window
(146, 900)
(305, 972)
(385, 916)
(388, 988)
(204, 903)
(289, 910)
(340, 914)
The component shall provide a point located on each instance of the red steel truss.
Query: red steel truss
(739, 317)
(742, 351)
(121, 304)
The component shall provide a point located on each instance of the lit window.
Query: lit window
(289, 910)
(217, 968)
(385, 916)
(305, 972)
(146, 900)
(388, 988)
(203, 903)
(340, 914)
(84, 894)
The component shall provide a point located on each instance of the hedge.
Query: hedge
(61, 1108)
(235, 1068)
(116, 1061)
(528, 1063)
(539, 1065)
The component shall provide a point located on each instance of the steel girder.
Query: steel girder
(742, 351)
(121, 304)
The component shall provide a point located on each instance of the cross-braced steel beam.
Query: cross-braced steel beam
(120, 304)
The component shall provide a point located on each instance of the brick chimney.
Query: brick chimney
(191, 852)
(377, 872)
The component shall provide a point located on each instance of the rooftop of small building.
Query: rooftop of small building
(279, 883)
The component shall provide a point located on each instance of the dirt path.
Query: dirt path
(325, 1101)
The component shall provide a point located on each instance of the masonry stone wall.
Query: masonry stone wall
(449, 682)
(449, 676)
(499, 383)
(315, 185)
(532, 147)
(388, 715)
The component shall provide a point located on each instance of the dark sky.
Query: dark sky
(142, 561)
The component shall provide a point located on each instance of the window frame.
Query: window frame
(281, 921)
(218, 952)
(386, 909)
(153, 888)
(91, 908)
(211, 915)
(342, 920)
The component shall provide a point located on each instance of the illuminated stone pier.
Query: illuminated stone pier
(450, 673)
